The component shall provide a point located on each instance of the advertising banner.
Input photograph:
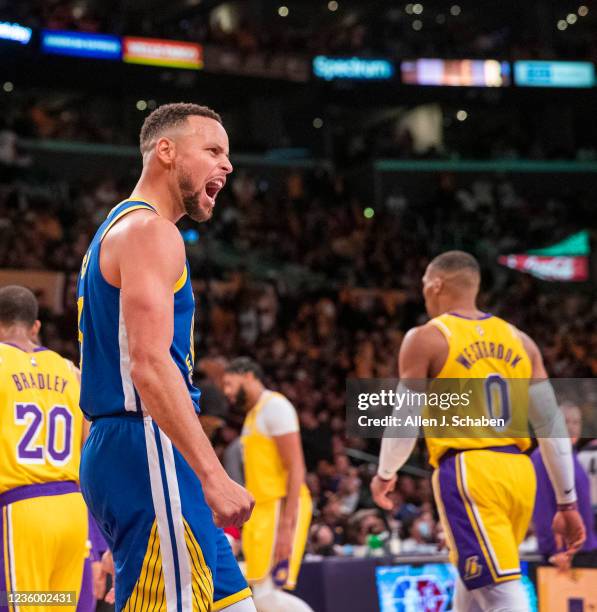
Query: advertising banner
(158, 52)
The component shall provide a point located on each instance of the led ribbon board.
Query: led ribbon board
(81, 44)
(554, 74)
(330, 68)
(14, 31)
(158, 52)
(458, 73)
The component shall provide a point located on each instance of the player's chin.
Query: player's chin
(204, 209)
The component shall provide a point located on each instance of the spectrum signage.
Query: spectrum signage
(330, 68)
(14, 31)
(158, 52)
(81, 44)
(554, 74)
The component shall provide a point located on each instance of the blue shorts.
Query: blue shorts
(149, 504)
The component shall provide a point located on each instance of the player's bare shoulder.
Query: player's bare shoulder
(146, 230)
(142, 239)
(426, 338)
(529, 344)
(423, 352)
(532, 350)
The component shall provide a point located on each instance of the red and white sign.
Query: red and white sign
(553, 268)
(159, 52)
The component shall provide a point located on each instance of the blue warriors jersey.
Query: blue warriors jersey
(106, 385)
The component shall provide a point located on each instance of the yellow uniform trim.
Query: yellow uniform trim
(149, 591)
(144, 205)
(442, 327)
(202, 579)
(232, 599)
(182, 280)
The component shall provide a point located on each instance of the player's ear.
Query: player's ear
(165, 150)
(35, 329)
(437, 285)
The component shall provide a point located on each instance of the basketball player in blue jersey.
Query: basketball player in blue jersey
(149, 474)
(484, 484)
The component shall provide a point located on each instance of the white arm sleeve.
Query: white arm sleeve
(277, 417)
(553, 439)
(398, 441)
(393, 455)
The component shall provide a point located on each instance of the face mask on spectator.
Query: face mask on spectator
(425, 530)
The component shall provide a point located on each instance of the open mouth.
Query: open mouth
(213, 187)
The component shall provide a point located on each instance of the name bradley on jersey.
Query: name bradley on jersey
(41, 380)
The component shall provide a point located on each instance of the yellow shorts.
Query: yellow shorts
(485, 500)
(259, 536)
(44, 541)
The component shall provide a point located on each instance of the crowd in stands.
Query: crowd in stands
(357, 293)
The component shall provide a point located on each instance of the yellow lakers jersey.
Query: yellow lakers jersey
(265, 475)
(40, 421)
(489, 367)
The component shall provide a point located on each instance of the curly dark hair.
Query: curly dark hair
(242, 365)
(171, 115)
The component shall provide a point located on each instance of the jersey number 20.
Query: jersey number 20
(56, 448)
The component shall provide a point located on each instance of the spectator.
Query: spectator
(588, 459)
(545, 500)
(421, 538)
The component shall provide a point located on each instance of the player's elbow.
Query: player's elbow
(297, 468)
(145, 368)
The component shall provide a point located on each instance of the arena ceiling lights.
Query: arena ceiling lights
(15, 32)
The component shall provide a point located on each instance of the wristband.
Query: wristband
(564, 507)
